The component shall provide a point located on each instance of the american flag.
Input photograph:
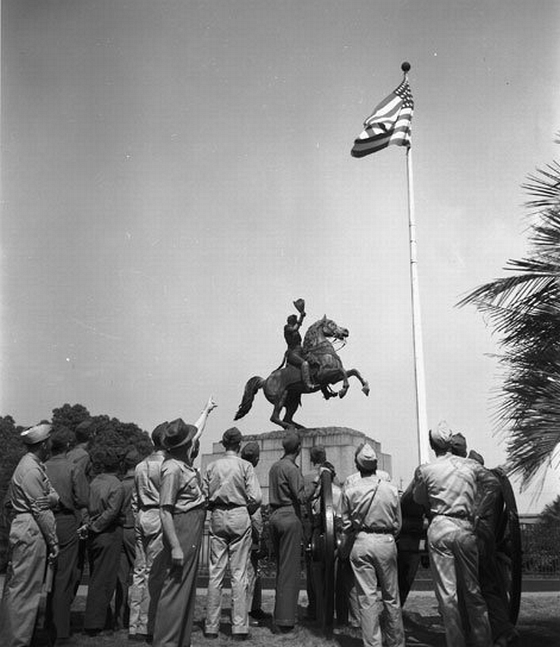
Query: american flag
(389, 123)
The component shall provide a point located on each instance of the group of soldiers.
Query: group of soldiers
(150, 521)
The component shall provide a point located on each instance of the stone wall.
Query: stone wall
(340, 444)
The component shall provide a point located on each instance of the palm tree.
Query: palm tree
(524, 310)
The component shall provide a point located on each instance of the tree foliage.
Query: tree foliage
(524, 310)
(104, 432)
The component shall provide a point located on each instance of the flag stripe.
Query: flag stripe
(390, 123)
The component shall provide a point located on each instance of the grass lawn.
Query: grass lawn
(539, 625)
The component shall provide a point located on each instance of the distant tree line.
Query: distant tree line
(104, 432)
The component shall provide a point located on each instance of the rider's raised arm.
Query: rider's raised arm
(201, 422)
(300, 321)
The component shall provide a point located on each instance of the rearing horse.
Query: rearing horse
(284, 386)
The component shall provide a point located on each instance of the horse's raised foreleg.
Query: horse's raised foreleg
(353, 372)
(345, 385)
(328, 392)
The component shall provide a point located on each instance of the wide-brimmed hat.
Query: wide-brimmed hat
(366, 458)
(36, 434)
(300, 305)
(177, 434)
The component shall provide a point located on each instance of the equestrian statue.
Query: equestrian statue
(307, 367)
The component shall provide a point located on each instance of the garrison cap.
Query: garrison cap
(36, 434)
(441, 435)
(475, 456)
(458, 444)
(366, 458)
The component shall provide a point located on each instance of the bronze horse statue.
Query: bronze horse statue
(284, 386)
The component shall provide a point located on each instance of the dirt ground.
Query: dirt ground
(539, 626)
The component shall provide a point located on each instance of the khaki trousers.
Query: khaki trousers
(374, 562)
(454, 564)
(147, 580)
(24, 582)
(230, 540)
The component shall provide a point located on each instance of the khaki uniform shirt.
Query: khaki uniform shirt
(447, 486)
(180, 487)
(231, 481)
(359, 512)
(147, 482)
(30, 482)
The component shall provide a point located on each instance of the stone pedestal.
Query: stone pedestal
(339, 442)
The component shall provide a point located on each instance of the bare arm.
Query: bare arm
(201, 422)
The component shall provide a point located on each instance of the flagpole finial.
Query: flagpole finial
(405, 67)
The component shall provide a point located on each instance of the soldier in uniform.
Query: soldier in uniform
(294, 353)
(182, 509)
(251, 453)
(311, 484)
(146, 580)
(488, 509)
(106, 499)
(286, 497)
(32, 539)
(233, 495)
(73, 490)
(128, 546)
(371, 510)
(447, 489)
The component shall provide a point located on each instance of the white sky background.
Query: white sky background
(175, 174)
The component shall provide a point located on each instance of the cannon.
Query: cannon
(413, 550)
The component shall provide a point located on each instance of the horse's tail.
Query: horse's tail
(251, 388)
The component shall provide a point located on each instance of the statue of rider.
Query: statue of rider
(294, 354)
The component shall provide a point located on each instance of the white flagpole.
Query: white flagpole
(420, 381)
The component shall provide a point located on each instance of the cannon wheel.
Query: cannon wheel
(508, 545)
(327, 523)
(323, 546)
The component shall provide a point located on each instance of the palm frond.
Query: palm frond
(524, 310)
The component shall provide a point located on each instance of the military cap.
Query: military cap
(291, 442)
(177, 434)
(458, 444)
(251, 451)
(231, 436)
(36, 434)
(366, 458)
(475, 456)
(441, 435)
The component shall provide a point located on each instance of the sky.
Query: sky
(176, 173)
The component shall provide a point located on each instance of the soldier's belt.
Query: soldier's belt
(377, 531)
(454, 515)
(226, 506)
